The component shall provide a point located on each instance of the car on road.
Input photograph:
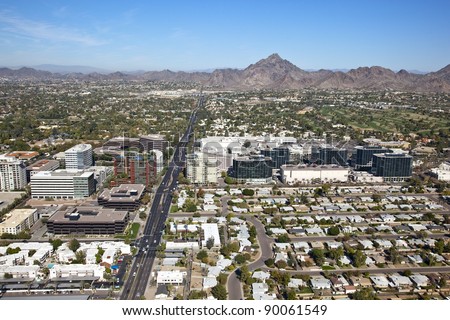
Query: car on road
(134, 274)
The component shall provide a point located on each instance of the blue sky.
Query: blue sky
(196, 35)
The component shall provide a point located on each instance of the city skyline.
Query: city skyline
(205, 35)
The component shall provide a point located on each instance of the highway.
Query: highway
(139, 274)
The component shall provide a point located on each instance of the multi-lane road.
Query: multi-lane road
(139, 274)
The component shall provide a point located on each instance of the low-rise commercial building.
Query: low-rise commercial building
(41, 165)
(125, 197)
(442, 172)
(18, 220)
(74, 271)
(313, 174)
(87, 220)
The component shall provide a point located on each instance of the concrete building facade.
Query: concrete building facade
(62, 184)
(79, 156)
(12, 174)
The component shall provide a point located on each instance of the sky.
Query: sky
(206, 34)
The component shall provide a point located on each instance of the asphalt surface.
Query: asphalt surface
(139, 274)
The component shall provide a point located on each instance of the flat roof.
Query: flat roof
(130, 192)
(63, 173)
(16, 217)
(43, 165)
(23, 155)
(87, 214)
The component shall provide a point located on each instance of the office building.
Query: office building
(125, 197)
(201, 169)
(153, 142)
(363, 156)
(303, 174)
(332, 155)
(79, 156)
(442, 172)
(393, 167)
(253, 169)
(279, 156)
(87, 220)
(12, 174)
(18, 220)
(41, 165)
(62, 184)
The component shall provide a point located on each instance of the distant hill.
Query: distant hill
(272, 72)
(69, 69)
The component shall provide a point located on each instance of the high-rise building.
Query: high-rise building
(253, 169)
(13, 174)
(279, 156)
(393, 167)
(201, 169)
(363, 158)
(62, 184)
(79, 156)
(332, 155)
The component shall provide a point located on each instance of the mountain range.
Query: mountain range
(272, 72)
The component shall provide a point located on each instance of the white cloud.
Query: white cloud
(42, 30)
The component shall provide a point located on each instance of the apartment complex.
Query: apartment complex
(79, 156)
(201, 169)
(62, 184)
(18, 220)
(12, 174)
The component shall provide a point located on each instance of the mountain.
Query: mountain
(69, 69)
(272, 72)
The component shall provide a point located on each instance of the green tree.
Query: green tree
(240, 259)
(291, 295)
(365, 294)
(248, 192)
(74, 244)
(318, 256)
(359, 259)
(210, 243)
(202, 254)
(243, 274)
(333, 231)
(283, 238)
(270, 262)
(219, 292)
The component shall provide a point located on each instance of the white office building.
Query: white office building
(13, 174)
(201, 169)
(210, 230)
(77, 271)
(170, 277)
(18, 220)
(62, 184)
(79, 156)
(313, 174)
(443, 171)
